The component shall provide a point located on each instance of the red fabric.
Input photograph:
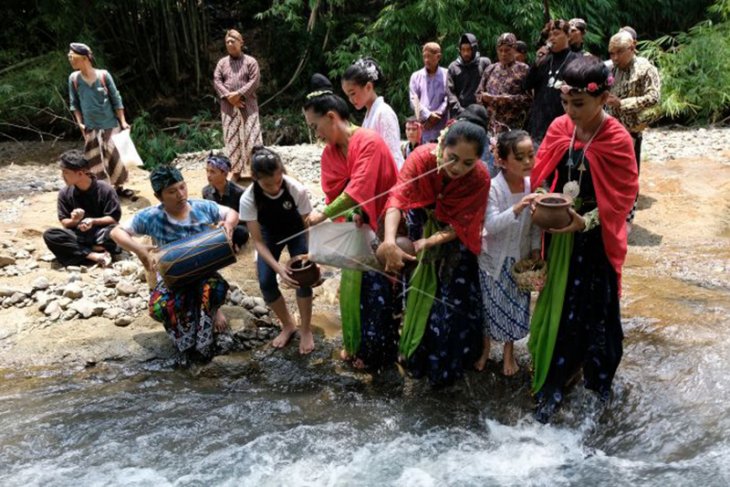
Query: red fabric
(614, 173)
(368, 171)
(461, 203)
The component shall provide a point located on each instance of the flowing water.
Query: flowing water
(278, 419)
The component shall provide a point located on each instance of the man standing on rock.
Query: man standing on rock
(97, 107)
(236, 79)
(635, 90)
(88, 210)
(190, 313)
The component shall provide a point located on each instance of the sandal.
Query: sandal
(125, 192)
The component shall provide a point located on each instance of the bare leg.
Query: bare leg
(287, 325)
(510, 366)
(482, 362)
(306, 339)
(220, 324)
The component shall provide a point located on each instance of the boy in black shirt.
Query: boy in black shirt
(88, 209)
(225, 192)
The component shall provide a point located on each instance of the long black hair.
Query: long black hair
(322, 99)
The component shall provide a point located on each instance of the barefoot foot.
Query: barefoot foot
(220, 324)
(481, 363)
(283, 338)
(344, 356)
(306, 341)
(510, 367)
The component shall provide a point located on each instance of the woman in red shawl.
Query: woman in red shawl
(442, 195)
(358, 171)
(588, 155)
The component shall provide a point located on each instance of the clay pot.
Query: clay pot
(551, 211)
(302, 270)
(406, 245)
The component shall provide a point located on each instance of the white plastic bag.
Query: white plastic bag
(344, 245)
(127, 151)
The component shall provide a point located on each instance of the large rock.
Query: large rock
(126, 288)
(123, 320)
(73, 291)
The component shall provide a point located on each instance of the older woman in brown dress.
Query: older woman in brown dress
(236, 80)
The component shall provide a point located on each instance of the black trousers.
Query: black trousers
(637, 151)
(72, 246)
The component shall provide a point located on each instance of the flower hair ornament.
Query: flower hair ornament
(369, 68)
(317, 93)
(590, 88)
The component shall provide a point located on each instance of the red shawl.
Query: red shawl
(613, 171)
(461, 203)
(368, 171)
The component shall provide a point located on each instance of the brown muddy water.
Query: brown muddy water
(274, 418)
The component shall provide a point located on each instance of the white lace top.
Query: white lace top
(384, 121)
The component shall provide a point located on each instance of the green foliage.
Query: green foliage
(36, 94)
(156, 146)
(695, 69)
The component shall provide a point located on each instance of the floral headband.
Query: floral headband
(591, 87)
(317, 93)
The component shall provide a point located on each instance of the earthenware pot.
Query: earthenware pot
(551, 211)
(302, 270)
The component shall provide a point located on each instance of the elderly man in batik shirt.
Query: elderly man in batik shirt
(236, 79)
(636, 89)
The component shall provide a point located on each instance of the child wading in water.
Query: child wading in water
(510, 238)
(274, 208)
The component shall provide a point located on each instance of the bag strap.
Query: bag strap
(100, 74)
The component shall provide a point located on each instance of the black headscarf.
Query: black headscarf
(163, 177)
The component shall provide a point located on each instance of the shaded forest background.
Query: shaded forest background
(162, 54)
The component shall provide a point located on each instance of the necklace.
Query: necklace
(551, 80)
(572, 188)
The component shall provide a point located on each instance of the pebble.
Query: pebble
(73, 277)
(41, 283)
(47, 257)
(260, 310)
(73, 268)
(87, 308)
(73, 291)
(110, 277)
(68, 315)
(123, 321)
(52, 308)
(22, 254)
(126, 288)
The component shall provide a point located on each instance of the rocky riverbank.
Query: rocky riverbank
(77, 316)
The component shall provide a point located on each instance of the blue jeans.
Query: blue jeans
(267, 276)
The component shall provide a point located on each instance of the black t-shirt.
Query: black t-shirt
(546, 105)
(231, 197)
(98, 201)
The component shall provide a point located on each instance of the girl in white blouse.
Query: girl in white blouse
(359, 83)
(510, 237)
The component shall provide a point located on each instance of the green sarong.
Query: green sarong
(350, 288)
(549, 308)
(421, 292)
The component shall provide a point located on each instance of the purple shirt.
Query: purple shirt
(431, 94)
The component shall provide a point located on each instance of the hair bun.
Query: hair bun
(320, 82)
(476, 114)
